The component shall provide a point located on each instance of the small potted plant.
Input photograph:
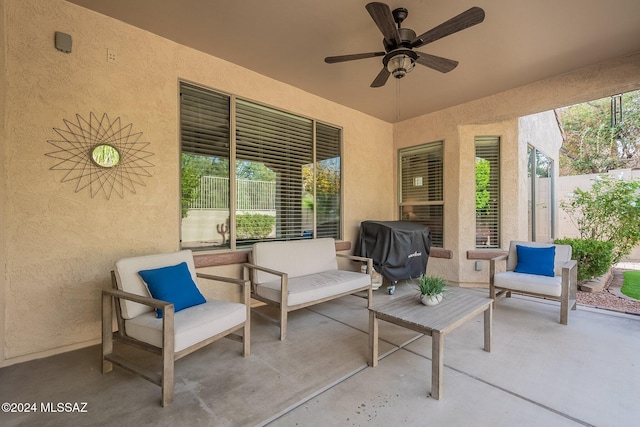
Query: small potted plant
(431, 289)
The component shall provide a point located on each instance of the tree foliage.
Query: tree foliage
(607, 212)
(592, 143)
(483, 172)
(193, 167)
(327, 178)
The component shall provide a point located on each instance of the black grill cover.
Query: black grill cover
(399, 249)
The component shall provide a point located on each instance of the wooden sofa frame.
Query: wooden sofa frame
(567, 298)
(165, 379)
(283, 305)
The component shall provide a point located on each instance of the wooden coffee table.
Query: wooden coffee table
(458, 306)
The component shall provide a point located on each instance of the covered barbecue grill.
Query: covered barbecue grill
(399, 249)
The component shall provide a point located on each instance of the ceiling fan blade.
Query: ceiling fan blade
(381, 78)
(343, 58)
(466, 19)
(382, 16)
(438, 63)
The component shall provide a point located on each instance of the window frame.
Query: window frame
(533, 153)
(489, 148)
(337, 205)
(437, 232)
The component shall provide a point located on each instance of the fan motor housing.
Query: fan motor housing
(407, 35)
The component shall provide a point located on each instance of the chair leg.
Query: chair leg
(564, 308)
(564, 313)
(168, 355)
(492, 293)
(246, 339)
(107, 332)
(283, 323)
(167, 378)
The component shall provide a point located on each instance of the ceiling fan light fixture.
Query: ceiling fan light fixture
(400, 65)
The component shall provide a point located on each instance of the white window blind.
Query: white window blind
(328, 180)
(283, 143)
(286, 179)
(487, 192)
(421, 188)
(205, 153)
(204, 121)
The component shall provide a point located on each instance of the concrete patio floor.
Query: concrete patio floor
(539, 373)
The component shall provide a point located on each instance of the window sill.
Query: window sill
(242, 256)
(485, 254)
(215, 259)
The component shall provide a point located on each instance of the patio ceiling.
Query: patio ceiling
(519, 42)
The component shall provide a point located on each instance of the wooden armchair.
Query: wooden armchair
(560, 282)
(180, 330)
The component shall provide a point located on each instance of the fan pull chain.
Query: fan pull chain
(397, 99)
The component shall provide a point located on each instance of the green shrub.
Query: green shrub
(594, 257)
(254, 226)
(609, 211)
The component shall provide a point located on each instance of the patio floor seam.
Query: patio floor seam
(404, 345)
(514, 394)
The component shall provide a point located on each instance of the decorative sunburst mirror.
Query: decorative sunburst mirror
(101, 155)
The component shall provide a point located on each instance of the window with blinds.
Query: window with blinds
(283, 144)
(487, 192)
(286, 169)
(421, 188)
(328, 178)
(205, 153)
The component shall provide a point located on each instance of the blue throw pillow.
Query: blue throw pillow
(540, 261)
(173, 284)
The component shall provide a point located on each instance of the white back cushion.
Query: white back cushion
(563, 254)
(296, 257)
(128, 279)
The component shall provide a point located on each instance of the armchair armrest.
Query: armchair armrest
(570, 265)
(244, 284)
(265, 269)
(369, 261)
(570, 277)
(151, 302)
(492, 265)
(167, 308)
(354, 257)
(498, 258)
(284, 280)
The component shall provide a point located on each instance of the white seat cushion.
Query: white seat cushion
(544, 285)
(128, 279)
(192, 325)
(312, 287)
(296, 258)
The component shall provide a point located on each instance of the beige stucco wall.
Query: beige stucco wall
(58, 246)
(503, 114)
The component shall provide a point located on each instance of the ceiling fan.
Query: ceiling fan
(399, 58)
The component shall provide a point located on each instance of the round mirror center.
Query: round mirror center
(105, 155)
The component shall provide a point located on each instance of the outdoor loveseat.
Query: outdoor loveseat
(296, 274)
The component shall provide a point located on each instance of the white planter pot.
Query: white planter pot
(430, 300)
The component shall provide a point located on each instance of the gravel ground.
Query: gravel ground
(608, 301)
(611, 298)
